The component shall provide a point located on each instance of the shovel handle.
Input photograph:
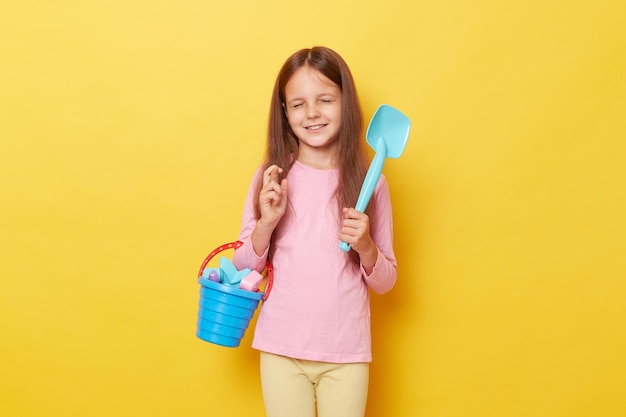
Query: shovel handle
(369, 184)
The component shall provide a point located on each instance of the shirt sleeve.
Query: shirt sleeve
(384, 274)
(245, 256)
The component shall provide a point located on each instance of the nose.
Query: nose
(312, 111)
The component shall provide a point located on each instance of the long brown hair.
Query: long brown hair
(282, 143)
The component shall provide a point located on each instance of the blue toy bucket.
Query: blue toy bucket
(225, 311)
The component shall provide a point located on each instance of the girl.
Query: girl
(314, 329)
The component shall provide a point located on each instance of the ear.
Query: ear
(285, 110)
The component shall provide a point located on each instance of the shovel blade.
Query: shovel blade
(392, 126)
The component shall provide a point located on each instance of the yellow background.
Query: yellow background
(128, 134)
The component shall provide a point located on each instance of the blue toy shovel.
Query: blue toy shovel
(387, 134)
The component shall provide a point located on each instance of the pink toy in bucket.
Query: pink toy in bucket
(228, 299)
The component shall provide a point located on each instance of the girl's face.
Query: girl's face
(313, 109)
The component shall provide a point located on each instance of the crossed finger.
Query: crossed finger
(271, 175)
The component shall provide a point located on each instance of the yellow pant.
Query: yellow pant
(295, 388)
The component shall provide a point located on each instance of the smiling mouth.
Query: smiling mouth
(314, 128)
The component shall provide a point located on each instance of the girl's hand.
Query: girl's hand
(272, 204)
(273, 197)
(355, 230)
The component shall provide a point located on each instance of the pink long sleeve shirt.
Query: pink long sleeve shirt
(318, 308)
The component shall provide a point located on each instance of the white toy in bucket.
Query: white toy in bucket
(228, 299)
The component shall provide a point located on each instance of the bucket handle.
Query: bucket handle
(235, 245)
